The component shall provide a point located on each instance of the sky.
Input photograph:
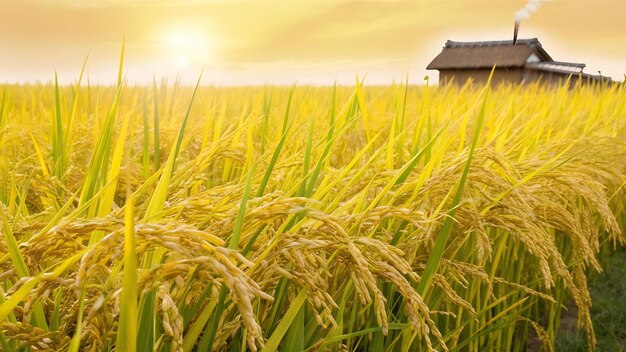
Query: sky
(241, 42)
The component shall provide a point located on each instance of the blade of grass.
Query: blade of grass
(42, 162)
(363, 106)
(155, 118)
(157, 202)
(99, 158)
(3, 105)
(145, 157)
(294, 339)
(147, 313)
(70, 122)
(206, 342)
(442, 238)
(279, 147)
(22, 293)
(191, 335)
(20, 267)
(127, 328)
(58, 154)
(106, 201)
(287, 320)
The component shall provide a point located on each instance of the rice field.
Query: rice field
(346, 218)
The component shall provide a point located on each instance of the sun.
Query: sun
(186, 48)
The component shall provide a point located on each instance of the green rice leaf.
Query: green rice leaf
(127, 328)
(286, 322)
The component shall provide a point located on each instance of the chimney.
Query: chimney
(515, 31)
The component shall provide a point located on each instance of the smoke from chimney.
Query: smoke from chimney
(524, 13)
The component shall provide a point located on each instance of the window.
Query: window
(533, 58)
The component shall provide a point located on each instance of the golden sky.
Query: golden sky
(285, 41)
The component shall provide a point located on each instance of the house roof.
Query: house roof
(556, 66)
(474, 55)
(567, 68)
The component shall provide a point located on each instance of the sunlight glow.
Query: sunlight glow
(186, 49)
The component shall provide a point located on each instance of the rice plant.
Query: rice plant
(346, 218)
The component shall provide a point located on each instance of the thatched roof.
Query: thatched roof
(475, 55)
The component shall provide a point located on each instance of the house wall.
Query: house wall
(480, 76)
(516, 76)
(558, 78)
(552, 78)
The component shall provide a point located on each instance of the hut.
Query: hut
(524, 61)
